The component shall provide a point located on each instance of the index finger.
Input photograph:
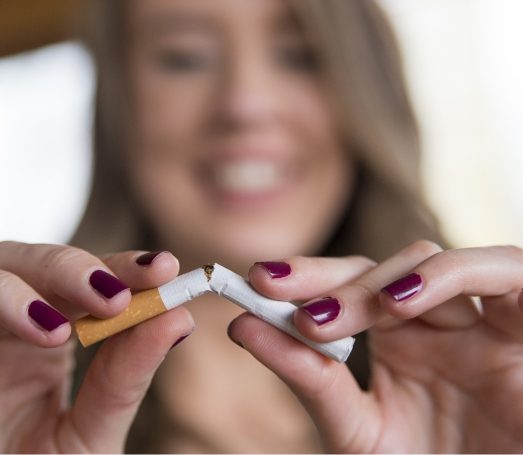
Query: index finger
(68, 276)
(303, 278)
(354, 306)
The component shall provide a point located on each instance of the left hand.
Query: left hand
(445, 377)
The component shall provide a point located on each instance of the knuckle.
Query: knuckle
(63, 257)
(362, 291)
(8, 243)
(8, 247)
(513, 251)
(296, 259)
(8, 281)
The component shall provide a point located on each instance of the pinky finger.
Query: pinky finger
(25, 314)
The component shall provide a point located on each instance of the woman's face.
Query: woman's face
(235, 152)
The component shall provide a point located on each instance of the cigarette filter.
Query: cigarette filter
(211, 278)
(144, 305)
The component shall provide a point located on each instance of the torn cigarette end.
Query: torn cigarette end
(208, 269)
(144, 305)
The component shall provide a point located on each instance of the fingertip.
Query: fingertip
(160, 260)
(319, 320)
(275, 270)
(305, 324)
(52, 339)
(109, 295)
(267, 276)
(47, 327)
(395, 308)
(395, 297)
(232, 330)
(147, 259)
(107, 308)
(144, 270)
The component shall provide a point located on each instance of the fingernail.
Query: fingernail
(106, 284)
(147, 258)
(178, 341)
(45, 316)
(276, 269)
(404, 288)
(323, 310)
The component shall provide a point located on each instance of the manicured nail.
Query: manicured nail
(106, 284)
(404, 288)
(276, 269)
(45, 316)
(147, 258)
(323, 310)
(178, 341)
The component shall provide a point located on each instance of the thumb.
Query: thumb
(117, 381)
(347, 418)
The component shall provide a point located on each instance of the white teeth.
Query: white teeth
(247, 175)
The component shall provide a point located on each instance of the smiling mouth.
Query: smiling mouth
(247, 176)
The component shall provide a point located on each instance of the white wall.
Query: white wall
(466, 77)
(45, 122)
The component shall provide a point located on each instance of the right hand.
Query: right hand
(37, 359)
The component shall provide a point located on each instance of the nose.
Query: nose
(250, 94)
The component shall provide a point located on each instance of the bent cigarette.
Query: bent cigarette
(210, 278)
(278, 313)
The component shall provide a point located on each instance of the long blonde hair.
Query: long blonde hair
(362, 73)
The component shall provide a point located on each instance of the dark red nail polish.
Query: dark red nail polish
(147, 258)
(276, 269)
(405, 287)
(178, 341)
(45, 316)
(323, 310)
(106, 284)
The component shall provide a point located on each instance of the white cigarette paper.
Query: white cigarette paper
(218, 280)
(184, 288)
(276, 312)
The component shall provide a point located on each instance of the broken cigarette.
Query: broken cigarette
(210, 278)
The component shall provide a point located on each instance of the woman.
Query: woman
(244, 132)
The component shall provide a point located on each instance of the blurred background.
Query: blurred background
(465, 74)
